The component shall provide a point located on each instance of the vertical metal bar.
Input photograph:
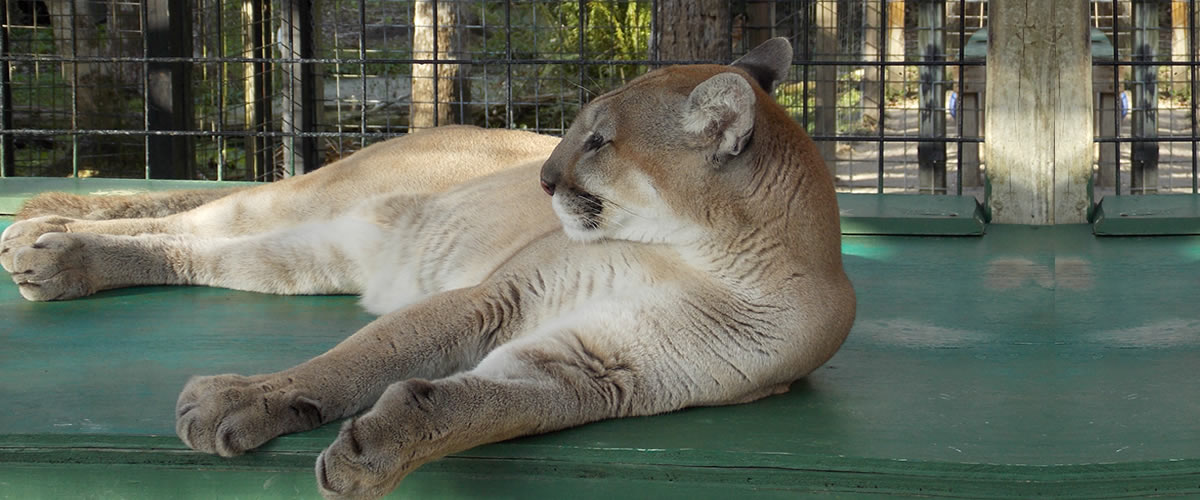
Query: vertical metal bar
(1116, 70)
(654, 31)
(362, 73)
(223, 76)
(958, 123)
(144, 18)
(884, 42)
(582, 50)
(1191, 38)
(169, 34)
(74, 93)
(436, 74)
(804, 70)
(7, 156)
(508, 61)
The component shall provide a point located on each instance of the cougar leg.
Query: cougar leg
(134, 206)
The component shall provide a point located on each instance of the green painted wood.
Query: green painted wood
(1148, 215)
(861, 214)
(901, 214)
(1033, 361)
(15, 190)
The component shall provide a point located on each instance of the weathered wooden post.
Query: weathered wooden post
(300, 104)
(931, 156)
(895, 44)
(873, 51)
(1179, 45)
(256, 38)
(1144, 124)
(760, 22)
(433, 85)
(825, 109)
(1039, 116)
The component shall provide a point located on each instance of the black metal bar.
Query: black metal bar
(75, 91)
(223, 75)
(170, 89)
(1191, 39)
(1116, 70)
(808, 59)
(362, 71)
(259, 144)
(958, 122)
(883, 75)
(436, 75)
(7, 156)
(508, 78)
(582, 50)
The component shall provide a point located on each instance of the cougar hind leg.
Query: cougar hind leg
(133, 206)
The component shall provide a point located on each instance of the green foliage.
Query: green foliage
(547, 95)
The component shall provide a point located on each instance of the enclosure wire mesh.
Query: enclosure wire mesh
(862, 83)
(1145, 79)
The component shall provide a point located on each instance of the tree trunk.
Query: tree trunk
(433, 85)
(690, 30)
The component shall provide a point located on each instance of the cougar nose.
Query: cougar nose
(548, 187)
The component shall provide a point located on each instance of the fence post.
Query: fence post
(7, 160)
(169, 34)
(825, 109)
(1144, 119)
(256, 14)
(299, 88)
(1039, 115)
(931, 156)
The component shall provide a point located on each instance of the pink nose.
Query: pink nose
(548, 188)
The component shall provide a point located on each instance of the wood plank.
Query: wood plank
(940, 390)
(1148, 215)
(1038, 117)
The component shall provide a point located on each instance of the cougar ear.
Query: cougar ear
(768, 63)
(720, 113)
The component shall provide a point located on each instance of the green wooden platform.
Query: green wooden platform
(1030, 362)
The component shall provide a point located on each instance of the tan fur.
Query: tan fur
(157, 204)
(689, 255)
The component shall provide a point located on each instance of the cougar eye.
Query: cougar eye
(594, 142)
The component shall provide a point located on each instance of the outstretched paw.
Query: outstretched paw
(52, 268)
(366, 461)
(374, 451)
(231, 414)
(24, 233)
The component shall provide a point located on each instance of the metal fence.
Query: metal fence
(1145, 64)
(260, 89)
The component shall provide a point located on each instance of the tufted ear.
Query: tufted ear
(720, 112)
(768, 63)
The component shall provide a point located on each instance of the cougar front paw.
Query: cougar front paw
(24, 233)
(52, 268)
(230, 414)
(374, 451)
(366, 461)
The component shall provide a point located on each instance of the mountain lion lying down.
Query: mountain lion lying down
(688, 254)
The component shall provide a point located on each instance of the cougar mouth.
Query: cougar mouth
(580, 211)
(589, 209)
